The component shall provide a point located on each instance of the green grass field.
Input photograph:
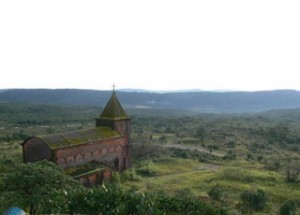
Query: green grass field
(177, 176)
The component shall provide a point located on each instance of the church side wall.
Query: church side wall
(111, 152)
(124, 127)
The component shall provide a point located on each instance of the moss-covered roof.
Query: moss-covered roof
(113, 109)
(60, 140)
(85, 169)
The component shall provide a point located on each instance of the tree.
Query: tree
(279, 133)
(218, 193)
(33, 186)
(200, 133)
(288, 207)
(253, 200)
(291, 172)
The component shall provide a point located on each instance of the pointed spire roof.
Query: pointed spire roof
(113, 109)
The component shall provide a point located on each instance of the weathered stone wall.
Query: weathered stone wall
(34, 149)
(112, 152)
(124, 128)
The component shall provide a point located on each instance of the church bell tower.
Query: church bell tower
(114, 116)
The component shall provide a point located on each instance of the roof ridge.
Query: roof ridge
(69, 138)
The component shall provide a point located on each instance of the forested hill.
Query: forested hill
(197, 101)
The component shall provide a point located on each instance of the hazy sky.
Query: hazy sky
(154, 44)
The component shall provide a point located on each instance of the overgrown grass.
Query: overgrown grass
(191, 177)
(246, 176)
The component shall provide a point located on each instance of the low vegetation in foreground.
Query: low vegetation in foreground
(201, 164)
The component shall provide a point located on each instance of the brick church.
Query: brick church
(88, 155)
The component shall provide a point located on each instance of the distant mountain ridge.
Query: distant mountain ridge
(161, 91)
(200, 101)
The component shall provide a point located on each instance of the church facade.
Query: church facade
(89, 155)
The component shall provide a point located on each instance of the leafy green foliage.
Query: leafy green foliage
(218, 193)
(43, 188)
(253, 200)
(130, 175)
(148, 168)
(189, 205)
(32, 185)
(292, 171)
(288, 207)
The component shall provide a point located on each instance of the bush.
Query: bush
(230, 144)
(163, 204)
(181, 153)
(288, 207)
(237, 174)
(259, 158)
(218, 193)
(230, 155)
(292, 172)
(140, 151)
(35, 185)
(184, 193)
(130, 175)
(148, 169)
(253, 200)
(112, 200)
(116, 178)
(273, 165)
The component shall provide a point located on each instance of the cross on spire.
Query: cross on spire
(114, 87)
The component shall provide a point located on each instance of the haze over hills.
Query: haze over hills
(160, 91)
(200, 101)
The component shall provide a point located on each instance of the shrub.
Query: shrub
(259, 158)
(230, 144)
(163, 204)
(184, 193)
(292, 172)
(116, 177)
(273, 165)
(162, 139)
(181, 153)
(148, 169)
(218, 193)
(288, 207)
(249, 156)
(253, 200)
(230, 155)
(237, 174)
(140, 151)
(130, 175)
(112, 200)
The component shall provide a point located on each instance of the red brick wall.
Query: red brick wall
(98, 151)
(96, 178)
(107, 175)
